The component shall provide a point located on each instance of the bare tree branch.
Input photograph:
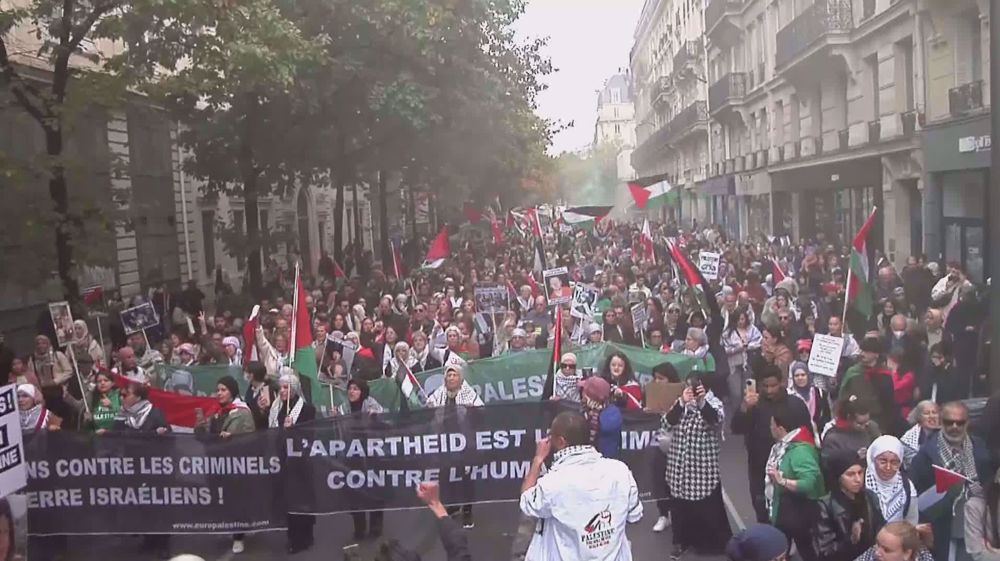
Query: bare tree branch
(81, 31)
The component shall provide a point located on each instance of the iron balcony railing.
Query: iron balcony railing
(819, 19)
(729, 89)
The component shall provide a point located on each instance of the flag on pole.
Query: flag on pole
(439, 251)
(536, 226)
(180, 410)
(410, 384)
(495, 227)
(250, 335)
(938, 499)
(777, 274)
(539, 260)
(397, 260)
(650, 198)
(585, 217)
(556, 356)
(691, 275)
(859, 290)
(302, 351)
(647, 242)
(338, 272)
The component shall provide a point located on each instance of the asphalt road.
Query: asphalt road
(490, 540)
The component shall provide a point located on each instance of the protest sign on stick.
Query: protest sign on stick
(557, 286)
(708, 264)
(824, 358)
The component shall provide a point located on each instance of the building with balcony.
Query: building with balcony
(672, 110)
(821, 110)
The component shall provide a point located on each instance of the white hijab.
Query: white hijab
(892, 493)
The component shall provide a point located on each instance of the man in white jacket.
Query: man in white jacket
(584, 501)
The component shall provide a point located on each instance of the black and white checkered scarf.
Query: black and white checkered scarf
(693, 462)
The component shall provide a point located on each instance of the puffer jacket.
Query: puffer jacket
(831, 535)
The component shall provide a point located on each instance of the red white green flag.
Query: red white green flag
(647, 242)
(860, 292)
(302, 351)
(652, 197)
(937, 500)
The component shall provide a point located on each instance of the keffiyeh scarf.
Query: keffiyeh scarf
(136, 415)
(962, 461)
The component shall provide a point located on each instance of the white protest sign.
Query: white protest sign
(824, 358)
(639, 317)
(708, 264)
(13, 471)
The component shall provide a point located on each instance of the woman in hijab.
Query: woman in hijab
(34, 415)
(926, 420)
(233, 349)
(401, 361)
(740, 338)
(817, 402)
(453, 393)
(288, 410)
(849, 517)
(86, 349)
(897, 497)
(358, 400)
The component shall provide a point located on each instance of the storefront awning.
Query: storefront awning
(724, 185)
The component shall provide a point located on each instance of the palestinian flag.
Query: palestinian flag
(473, 214)
(938, 499)
(689, 272)
(539, 260)
(439, 251)
(410, 384)
(647, 242)
(556, 356)
(585, 217)
(338, 272)
(495, 227)
(179, 409)
(860, 292)
(303, 352)
(250, 335)
(653, 197)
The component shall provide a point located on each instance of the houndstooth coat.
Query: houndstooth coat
(693, 460)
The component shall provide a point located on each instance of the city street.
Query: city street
(490, 540)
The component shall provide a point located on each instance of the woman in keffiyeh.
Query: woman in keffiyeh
(897, 497)
(34, 415)
(288, 410)
(693, 472)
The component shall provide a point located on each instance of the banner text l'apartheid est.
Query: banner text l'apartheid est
(86, 484)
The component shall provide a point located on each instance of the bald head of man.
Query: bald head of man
(569, 429)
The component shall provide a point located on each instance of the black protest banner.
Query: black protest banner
(477, 454)
(114, 484)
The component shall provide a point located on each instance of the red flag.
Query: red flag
(472, 213)
(302, 333)
(510, 219)
(338, 273)
(497, 232)
(777, 275)
(250, 335)
(556, 356)
(535, 290)
(439, 251)
(647, 242)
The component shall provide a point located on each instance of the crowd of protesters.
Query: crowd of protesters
(835, 463)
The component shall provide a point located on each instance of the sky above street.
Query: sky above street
(589, 40)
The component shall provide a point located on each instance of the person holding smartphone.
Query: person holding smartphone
(699, 516)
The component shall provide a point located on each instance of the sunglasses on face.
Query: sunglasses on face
(954, 422)
(568, 366)
(673, 311)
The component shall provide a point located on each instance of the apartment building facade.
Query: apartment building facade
(823, 109)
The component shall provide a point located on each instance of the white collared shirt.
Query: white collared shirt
(583, 505)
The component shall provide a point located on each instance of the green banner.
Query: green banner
(511, 377)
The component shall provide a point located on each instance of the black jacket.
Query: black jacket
(755, 425)
(456, 543)
(831, 534)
